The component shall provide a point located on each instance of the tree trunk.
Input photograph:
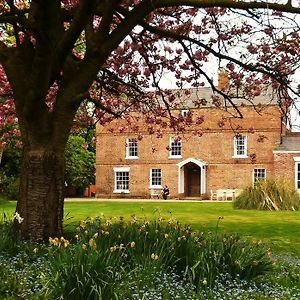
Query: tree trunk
(41, 194)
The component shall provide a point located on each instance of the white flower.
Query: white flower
(18, 218)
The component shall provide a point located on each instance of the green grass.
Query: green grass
(280, 229)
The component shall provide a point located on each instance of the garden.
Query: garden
(155, 250)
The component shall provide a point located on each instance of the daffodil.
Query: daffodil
(18, 218)
(92, 243)
(113, 248)
(154, 256)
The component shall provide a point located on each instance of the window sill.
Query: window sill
(121, 192)
(175, 157)
(239, 156)
(131, 157)
(158, 187)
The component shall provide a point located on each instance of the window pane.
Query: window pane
(259, 174)
(132, 149)
(122, 180)
(298, 176)
(175, 148)
(240, 145)
(155, 176)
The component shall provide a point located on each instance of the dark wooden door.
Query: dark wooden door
(193, 182)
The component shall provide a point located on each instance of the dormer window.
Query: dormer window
(184, 112)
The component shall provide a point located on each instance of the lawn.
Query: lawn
(279, 229)
(144, 259)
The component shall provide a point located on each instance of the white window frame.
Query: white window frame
(171, 148)
(130, 143)
(235, 151)
(119, 170)
(184, 112)
(155, 186)
(254, 177)
(297, 173)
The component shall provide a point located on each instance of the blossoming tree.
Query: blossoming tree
(56, 54)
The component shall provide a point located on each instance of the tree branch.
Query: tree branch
(218, 91)
(243, 5)
(81, 18)
(105, 24)
(176, 36)
(133, 18)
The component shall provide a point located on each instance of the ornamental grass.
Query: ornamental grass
(269, 194)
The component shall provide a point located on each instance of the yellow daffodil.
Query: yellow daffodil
(204, 282)
(84, 246)
(132, 244)
(35, 250)
(154, 256)
(113, 248)
(92, 243)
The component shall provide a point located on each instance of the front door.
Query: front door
(192, 180)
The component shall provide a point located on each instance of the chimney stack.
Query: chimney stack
(223, 80)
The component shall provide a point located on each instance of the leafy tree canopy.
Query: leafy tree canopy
(80, 163)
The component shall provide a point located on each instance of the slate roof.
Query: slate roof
(203, 97)
(290, 143)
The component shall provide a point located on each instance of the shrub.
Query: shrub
(21, 268)
(11, 188)
(9, 238)
(269, 194)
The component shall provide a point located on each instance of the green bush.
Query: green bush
(269, 194)
(9, 238)
(10, 187)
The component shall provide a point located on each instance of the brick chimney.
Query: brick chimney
(223, 79)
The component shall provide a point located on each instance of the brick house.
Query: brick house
(222, 159)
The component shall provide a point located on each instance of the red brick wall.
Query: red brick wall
(284, 165)
(215, 148)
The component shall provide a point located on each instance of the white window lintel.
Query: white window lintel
(121, 169)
